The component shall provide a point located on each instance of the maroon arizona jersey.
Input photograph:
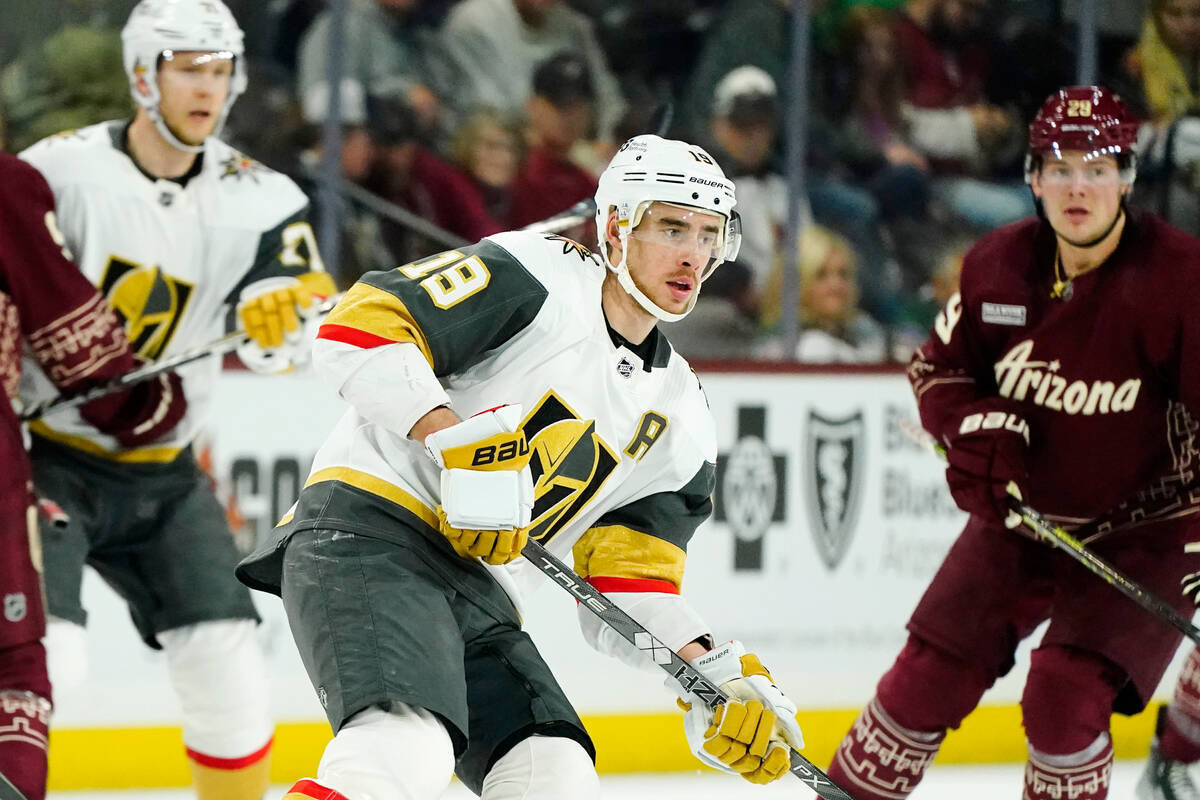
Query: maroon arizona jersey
(45, 301)
(1105, 374)
(44, 298)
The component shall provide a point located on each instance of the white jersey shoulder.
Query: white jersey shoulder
(238, 192)
(565, 267)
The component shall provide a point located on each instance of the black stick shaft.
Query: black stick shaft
(633, 632)
(1059, 538)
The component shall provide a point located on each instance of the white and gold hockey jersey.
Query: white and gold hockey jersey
(623, 449)
(170, 256)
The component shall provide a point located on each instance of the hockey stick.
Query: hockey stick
(687, 675)
(8, 791)
(1055, 536)
(575, 215)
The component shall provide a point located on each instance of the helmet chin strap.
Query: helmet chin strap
(631, 288)
(160, 125)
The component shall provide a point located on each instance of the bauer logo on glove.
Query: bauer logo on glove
(486, 485)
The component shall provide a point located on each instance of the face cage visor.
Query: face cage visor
(1096, 171)
(708, 237)
(192, 65)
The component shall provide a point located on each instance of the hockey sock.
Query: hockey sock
(24, 733)
(1179, 732)
(243, 778)
(1082, 776)
(879, 760)
(24, 717)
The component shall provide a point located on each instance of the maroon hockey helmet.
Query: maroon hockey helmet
(1088, 118)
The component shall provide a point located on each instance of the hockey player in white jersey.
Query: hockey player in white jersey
(515, 388)
(178, 230)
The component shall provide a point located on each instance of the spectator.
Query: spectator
(833, 329)
(487, 149)
(494, 46)
(1161, 83)
(751, 32)
(385, 56)
(950, 120)
(1163, 63)
(744, 129)
(560, 112)
(408, 174)
(875, 141)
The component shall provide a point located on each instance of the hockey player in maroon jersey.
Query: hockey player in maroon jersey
(47, 305)
(1067, 371)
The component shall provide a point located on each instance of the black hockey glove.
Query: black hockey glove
(988, 452)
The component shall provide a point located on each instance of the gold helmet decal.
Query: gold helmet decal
(149, 302)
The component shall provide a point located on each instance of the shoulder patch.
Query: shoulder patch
(239, 166)
(570, 246)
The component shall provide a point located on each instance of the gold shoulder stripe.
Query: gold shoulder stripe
(374, 311)
(614, 551)
(376, 486)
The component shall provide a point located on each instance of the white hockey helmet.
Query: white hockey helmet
(158, 27)
(650, 169)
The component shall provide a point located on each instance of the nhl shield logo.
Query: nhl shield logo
(14, 607)
(833, 482)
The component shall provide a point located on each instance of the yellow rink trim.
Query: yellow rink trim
(110, 758)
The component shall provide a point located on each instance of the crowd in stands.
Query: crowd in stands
(484, 115)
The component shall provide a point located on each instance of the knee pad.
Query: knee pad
(538, 768)
(401, 754)
(1068, 698)
(927, 689)
(66, 654)
(219, 673)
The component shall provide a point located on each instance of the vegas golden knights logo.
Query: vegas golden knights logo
(149, 302)
(570, 462)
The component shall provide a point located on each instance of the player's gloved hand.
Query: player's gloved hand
(988, 454)
(279, 315)
(141, 414)
(752, 734)
(1191, 581)
(487, 489)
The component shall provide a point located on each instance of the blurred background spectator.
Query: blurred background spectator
(560, 111)
(494, 46)
(470, 116)
(1161, 81)
(388, 56)
(833, 329)
(488, 149)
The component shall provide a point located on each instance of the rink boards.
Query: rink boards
(829, 523)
